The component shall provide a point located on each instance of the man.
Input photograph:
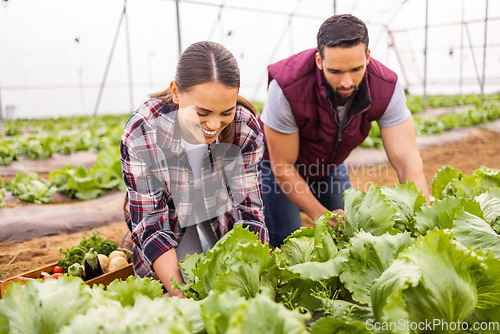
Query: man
(320, 106)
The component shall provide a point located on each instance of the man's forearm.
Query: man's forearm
(417, 176)
(297, 190)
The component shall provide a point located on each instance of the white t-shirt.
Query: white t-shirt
(195, 154)
(277, 113)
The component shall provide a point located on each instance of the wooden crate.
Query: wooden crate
(105, 279)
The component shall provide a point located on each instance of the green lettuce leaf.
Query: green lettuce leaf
(302, 294)
(488, 283)
(369, 257)
(299, 246)
(221, 310)
(432, 279)
(441, 213)
(83, 184)
(475, 233)
(406, 199)
(229, 313)
(490, 205)
(145, 316)
(328, 325)
(311, 253)
(105, 178)
(237, 261)
(107, 157)
(464, 187)
(487, 178)
(324, 238)
(442, 178)
(126, 291)
(38, 192)
(348, 311)
(43, 306)
(190, 310)
(312, 263)
(317, 271)
(273, 318)
(59, 178)
(369, 212)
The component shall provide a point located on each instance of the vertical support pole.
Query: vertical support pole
(334, 7)
(398, 56)
(484, 49)
(109, 62)
(178, 27)
(425, 52)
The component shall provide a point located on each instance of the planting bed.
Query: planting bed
(478, 148)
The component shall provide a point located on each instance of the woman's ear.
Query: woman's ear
(174, 90)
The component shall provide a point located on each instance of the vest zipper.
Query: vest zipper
(342, 125)
(341, 130)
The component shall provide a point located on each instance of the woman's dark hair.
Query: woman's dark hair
(204, 62)
(342, 31)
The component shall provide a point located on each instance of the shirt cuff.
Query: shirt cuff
(158, 244)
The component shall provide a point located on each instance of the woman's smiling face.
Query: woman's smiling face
(204, 110)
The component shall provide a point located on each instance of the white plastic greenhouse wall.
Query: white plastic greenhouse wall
(68, 57)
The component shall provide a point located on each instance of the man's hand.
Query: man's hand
(335, 220)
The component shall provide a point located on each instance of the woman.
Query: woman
(190, 158)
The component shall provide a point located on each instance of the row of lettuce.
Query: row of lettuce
(79, 183)
(47, 137)
(480, 110)
(399, 266)
(40, 138)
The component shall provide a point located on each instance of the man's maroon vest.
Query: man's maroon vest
(301, 82)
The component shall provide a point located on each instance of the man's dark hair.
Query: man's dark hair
(342, 31)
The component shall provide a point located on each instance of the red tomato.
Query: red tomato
(57, 270)
(56, 276)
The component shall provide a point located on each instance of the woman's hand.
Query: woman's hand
(166, 267)
(178, 294)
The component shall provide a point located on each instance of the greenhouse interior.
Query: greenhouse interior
(230, 166)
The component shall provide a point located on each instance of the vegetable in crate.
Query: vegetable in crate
(117, 262)
(104, 262)
(76, 269)
(57, 270)
(92, 267)
(77, 253)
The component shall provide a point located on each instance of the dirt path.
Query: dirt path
(480, 148)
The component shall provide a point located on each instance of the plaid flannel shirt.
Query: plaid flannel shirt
(159, 181)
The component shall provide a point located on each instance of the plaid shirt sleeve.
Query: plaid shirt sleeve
(149, 200)
(249, 138)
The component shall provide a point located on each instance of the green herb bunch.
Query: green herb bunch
(77, 253)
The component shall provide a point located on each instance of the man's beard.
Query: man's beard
(339, 97)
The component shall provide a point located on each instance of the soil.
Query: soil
(479, 148)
